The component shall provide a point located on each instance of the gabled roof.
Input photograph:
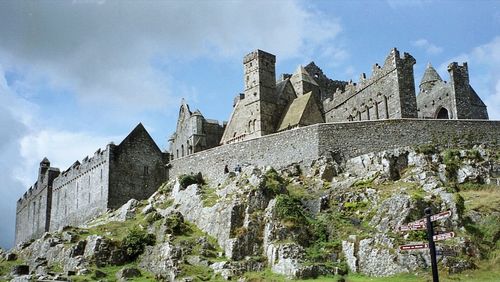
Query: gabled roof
(430, 75)
(297, 111)
(139, 130)
(302, 74)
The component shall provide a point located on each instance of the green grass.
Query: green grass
(111, 272)
(209, 196)
(6, 266)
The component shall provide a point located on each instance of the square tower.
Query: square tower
(260, 92)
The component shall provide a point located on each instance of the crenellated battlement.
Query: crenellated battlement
(79, 169)
(392, 63)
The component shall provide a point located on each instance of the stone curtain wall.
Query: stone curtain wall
(31, 214)
(277, 150)
(81, 192)
(33, 209)
(303, 145)
(356, 138)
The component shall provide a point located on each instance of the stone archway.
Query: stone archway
(442, 113)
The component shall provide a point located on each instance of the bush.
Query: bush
(174, 224)
(288, 208)
(426, 149)
(188, 179)
(135, 242)
(274, 182)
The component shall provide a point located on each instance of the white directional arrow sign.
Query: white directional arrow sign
(443, 236)
(413, 247)
(412, 227)
(434, 217)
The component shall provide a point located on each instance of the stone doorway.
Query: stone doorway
(442, 114)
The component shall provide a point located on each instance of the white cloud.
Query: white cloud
(106, 51)
(484, 73)
(62, 148)
(401, 4)
(23, 143)
(429, 47)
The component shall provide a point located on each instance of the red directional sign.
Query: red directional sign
(411, 227)
(413, 247)
(434, 217)
(443, 236)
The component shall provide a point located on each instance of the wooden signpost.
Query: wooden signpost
(426, 223)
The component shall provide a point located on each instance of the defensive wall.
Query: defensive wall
(305, 144)
(33, 208)
(81, 191)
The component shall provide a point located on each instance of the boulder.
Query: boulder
(127, 272)
(20, 269)
(127, 211)
(10, 256)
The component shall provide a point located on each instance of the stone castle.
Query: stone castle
(324, 113)
(133, 169)
(309, 97)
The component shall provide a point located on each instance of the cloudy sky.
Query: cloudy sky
(76, 75)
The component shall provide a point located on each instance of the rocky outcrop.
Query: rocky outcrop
(338, 215)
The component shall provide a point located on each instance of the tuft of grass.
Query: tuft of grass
(209, 196)
(427, 149)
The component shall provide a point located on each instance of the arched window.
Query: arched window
(253, 124)
(182, 150)
(249, 126)
(189, 148)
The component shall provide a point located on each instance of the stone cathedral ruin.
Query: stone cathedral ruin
(293, 119)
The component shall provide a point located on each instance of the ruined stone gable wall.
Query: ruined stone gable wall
(213, 133)
(136, 169)
(440, 96)
(388, 94)
(304, 145)
(81, 192)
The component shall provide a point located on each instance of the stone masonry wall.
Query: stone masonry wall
(136, 169)
(30, 214)
(81, 192)
(388, 94)
(277, 150)
(305, 144)
(357, 138)
(33, 209)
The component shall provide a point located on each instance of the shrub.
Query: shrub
(188, 179)
(174, 224)
(426, 149)
(135, 241)
(288, 208)
(274, 182)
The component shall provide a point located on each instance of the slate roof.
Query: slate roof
(430, 75)
(295, 111)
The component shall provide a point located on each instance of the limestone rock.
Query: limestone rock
(162, 260)
(127, 272)
(127, 211)
(350, 252)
